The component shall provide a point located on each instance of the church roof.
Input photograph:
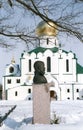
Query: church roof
(79, 69)
(42, 50)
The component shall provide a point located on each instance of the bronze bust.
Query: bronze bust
(39, 77)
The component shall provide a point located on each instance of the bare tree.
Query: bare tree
(67, 15)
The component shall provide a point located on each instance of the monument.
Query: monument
(39, 77)
(41, 95)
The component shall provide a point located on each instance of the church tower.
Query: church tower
(12, 68)
(47, 32)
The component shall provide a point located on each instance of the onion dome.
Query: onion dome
(46, 29)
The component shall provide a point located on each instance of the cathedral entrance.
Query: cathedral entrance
(53, 95)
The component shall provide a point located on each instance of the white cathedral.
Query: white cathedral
(61, 68)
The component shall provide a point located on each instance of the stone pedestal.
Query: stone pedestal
(41, 104)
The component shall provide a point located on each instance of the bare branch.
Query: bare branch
(67, 15)
(10, 2)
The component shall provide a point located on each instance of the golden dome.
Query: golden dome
(48, 29)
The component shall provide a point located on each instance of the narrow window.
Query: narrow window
(18, 81)
(47, 41)
(68, 90)
(29, 65)
(67, 65)
(48, 64)
(77, 90)
(16, 93)
(29, 90)
(9, 81)
(55, 41)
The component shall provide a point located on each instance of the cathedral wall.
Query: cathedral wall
(80, 78)
(11, 82)
(60, 66)
(24, 66)
(65, 95)
(20, 93)
(71, 91)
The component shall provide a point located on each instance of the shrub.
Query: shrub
(55, 120)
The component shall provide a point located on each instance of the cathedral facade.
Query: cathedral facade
(61, 68)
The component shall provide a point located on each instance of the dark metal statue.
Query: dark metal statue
(39, 77)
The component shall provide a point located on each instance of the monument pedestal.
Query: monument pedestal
(41, 103)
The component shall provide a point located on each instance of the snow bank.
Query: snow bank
(70, 114)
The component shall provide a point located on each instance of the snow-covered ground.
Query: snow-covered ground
(69, 113)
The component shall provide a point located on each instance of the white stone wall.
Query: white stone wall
(22, 93)
(80, 78)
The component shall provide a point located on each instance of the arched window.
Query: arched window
(48, 64)
(29, 65)
(11, 69)
(67, 65)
